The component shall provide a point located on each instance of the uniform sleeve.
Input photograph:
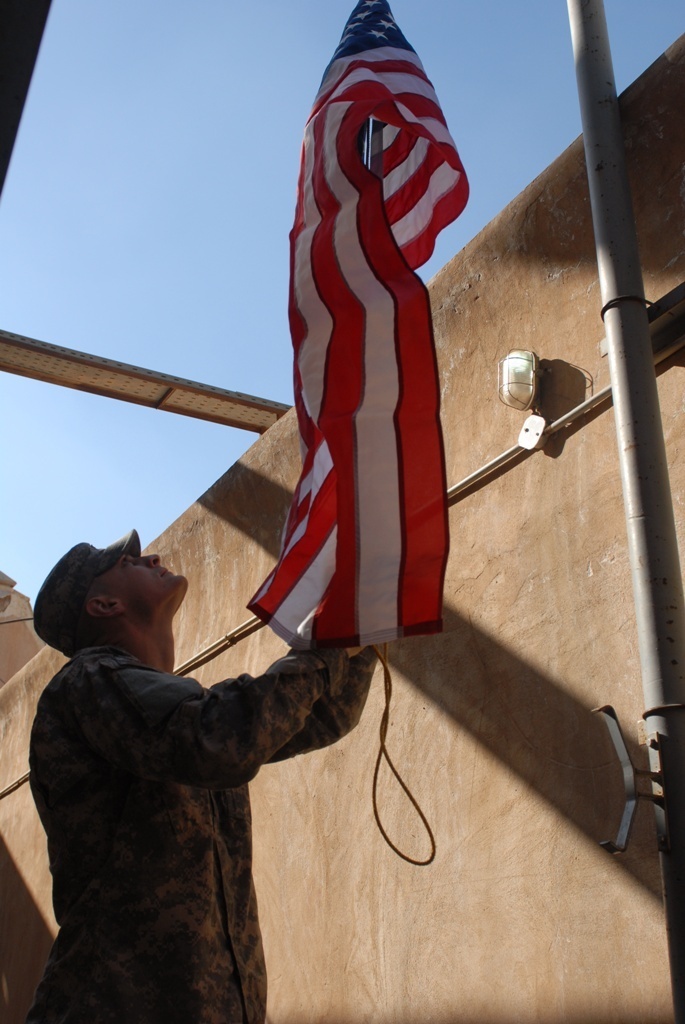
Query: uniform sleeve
(162, 727)
(332, 717)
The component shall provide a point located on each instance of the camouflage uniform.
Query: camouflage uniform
(140, 779)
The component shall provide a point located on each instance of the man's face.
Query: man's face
(143, 585)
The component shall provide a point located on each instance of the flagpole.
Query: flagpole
(652, 542)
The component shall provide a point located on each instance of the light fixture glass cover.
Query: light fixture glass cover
(518, 379)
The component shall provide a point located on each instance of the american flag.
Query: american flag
(366, 540)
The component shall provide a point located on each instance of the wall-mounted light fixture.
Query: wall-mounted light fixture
(519, 373)
(518, 379)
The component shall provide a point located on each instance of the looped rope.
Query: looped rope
(383, 753)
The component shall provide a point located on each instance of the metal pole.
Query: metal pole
(652, 544)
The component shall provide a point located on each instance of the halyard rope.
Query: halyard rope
(384, 755)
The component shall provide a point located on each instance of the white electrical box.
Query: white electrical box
(533, 433)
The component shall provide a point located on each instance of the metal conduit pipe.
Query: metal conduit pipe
(242, 631)
(652, 542)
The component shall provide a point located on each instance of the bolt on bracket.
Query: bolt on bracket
(631, 777)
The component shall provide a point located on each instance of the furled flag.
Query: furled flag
(366, 540)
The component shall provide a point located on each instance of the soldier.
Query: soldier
(140, 779)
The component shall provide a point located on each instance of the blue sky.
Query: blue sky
(146, 215)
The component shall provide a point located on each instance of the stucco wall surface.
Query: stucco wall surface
(521, 917)
(18, 642)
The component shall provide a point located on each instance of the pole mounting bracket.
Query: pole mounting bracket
(632, 777)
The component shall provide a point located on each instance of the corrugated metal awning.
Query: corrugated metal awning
(42, 361)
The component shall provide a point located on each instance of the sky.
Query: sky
(146, 214)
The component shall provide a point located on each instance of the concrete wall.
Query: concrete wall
(18, 639)
(522, 917)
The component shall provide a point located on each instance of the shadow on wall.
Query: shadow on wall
(254, 504)
(523, 717)
(537, 729)
(563, 387)
(31, 946)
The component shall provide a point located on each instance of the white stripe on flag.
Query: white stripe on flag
(436, 129)
(419, 217)
(322, 466)
(294, 616)
(379, 55)
(397, 178)
(377, 480)
(396, 82)
(390, 133)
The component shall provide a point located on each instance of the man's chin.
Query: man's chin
(181, 587)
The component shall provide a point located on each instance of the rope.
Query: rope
(383, 754)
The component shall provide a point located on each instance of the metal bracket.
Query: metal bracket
(631, 777)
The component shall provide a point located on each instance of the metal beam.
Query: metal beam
(98, 376)
(21, 30)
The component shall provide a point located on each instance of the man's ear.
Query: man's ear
(103, 606)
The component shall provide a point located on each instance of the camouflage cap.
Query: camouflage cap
(60, 599)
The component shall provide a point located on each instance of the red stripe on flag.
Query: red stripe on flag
(420, 452)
